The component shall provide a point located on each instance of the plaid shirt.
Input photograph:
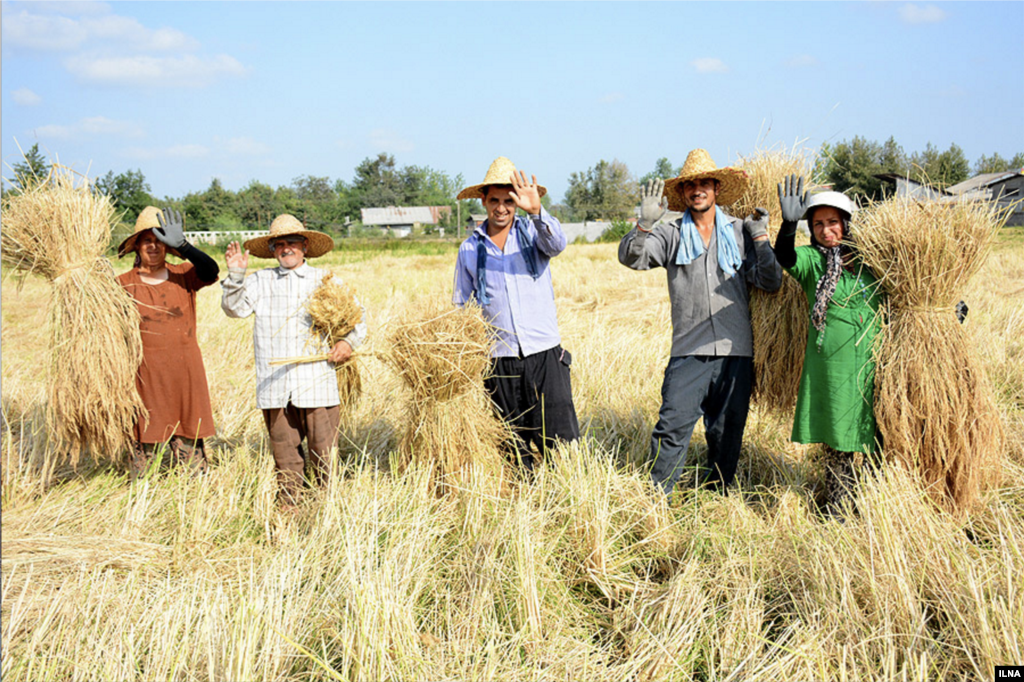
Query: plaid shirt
(283, 330)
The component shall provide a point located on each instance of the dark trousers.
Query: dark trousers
(715, 388)
(287, 427)
(534, 395)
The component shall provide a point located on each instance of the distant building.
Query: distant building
(1006, 189)
(902, 186)
(400, 221)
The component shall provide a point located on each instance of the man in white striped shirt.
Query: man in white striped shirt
(299, 401)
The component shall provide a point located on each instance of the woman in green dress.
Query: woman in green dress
(835, 403)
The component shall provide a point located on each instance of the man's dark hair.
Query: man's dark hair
(487, 188)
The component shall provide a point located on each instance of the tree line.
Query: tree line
(606, 191)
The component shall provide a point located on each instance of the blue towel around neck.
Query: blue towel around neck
(527, 247)
(691, 245)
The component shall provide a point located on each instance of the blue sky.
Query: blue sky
(189, 91)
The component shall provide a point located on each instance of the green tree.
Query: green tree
(997, 164)
(378, 183)
(607, 191)
(256, 205)
(662, 170)
(129, 191)
(850, 167)
(940, 169)
(32, 170)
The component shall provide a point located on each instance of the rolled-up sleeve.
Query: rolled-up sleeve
(551, 239)
(640, 250)
(236, 300)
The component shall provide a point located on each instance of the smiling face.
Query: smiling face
(700, 194)
(501, 208)
(827, 225)
(152, 252)
(289, 251)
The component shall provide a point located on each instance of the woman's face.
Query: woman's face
(152, 251)
(827, 226)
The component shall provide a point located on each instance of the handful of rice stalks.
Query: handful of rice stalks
(335, 313)
(779, 319)
(60, 231)
(933, 402)
(442, 356)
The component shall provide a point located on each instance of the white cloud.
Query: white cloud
(146, 71)
(801, 61)
(709, 65)
(90, 127)
(390, 141)
(81, 8)
(922, 14)
(26, 97)
(42, 32)
(55, 32)
(178, 151)
(611, 98)
(246, 146)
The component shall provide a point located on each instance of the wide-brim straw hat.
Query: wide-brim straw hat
(147, 220)
(732, 181)
(500, 173)
(284, 225)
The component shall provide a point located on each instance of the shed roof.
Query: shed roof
(398, 215)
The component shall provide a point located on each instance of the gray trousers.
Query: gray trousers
(715, 388)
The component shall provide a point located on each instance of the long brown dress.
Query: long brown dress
(172, 379)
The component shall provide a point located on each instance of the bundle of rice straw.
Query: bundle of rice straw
(779, 319)
(60, 231)
(442, 356)
(335, 313)
(933, 402)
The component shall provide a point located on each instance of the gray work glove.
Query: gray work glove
(792, 199)
(172, 229)
(653, 203)
(756, 224)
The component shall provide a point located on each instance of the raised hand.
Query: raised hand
(756, 224)
(792, 199)
(172, 228)
(653, 203)
(236, 257)
(526, 194)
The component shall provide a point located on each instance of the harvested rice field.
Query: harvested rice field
(584, 573)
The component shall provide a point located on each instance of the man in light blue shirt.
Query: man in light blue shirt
(505, 265)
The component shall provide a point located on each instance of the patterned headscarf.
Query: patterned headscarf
(826, 288)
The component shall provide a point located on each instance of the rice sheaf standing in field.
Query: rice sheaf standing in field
(835, 405)
(709, 257)
(171, 379)
(505, 264)
(299, 401)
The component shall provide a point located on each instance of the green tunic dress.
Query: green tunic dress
(835, 404)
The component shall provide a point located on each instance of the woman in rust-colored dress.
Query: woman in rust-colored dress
(172, 379)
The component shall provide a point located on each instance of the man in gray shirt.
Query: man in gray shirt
(710, 258)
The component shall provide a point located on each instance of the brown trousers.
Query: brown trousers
(287, 427)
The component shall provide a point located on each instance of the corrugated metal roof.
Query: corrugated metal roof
(398, 215)
(979, 182)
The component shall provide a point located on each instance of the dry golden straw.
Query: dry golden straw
(933, 401)
(442, 356)
(335, 313)
(779, 319)
(60, 231)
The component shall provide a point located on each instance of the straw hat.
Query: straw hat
(283, 225)
(500, 173)
(147, 220)
(732, 181)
